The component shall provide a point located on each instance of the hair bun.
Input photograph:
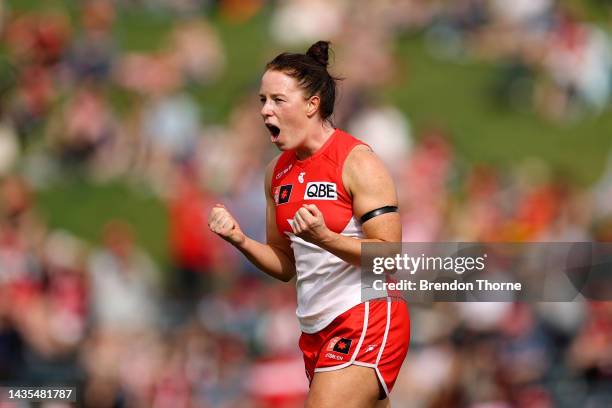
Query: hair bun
(319, 51)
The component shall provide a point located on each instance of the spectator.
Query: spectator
(124, 282)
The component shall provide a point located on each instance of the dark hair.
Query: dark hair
(310, 70)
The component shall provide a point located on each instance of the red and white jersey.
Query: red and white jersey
(327, 286)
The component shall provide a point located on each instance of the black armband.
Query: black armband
(379, 211)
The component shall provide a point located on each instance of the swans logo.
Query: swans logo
(301, 177)
(340, 345)
(282, 194)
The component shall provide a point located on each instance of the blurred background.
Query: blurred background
(123, 121)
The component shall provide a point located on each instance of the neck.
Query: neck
(315, 139)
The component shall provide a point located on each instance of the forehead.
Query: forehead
(276, 82)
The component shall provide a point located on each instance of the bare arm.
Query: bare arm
(275, 257)
(371, 186)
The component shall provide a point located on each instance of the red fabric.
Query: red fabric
(324, 166)
(386, 355)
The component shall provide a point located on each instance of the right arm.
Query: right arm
(275, 257)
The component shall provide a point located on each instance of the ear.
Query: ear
(312, 106)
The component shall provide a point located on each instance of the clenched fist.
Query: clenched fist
(221, 222)
(308, 223)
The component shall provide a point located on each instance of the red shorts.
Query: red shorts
(373, 334)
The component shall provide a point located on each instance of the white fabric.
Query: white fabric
(326, 285)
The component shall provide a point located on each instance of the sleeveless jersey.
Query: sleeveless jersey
(326, 285)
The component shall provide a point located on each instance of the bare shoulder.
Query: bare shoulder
(371, 186)
(361, 155)
(362, 168)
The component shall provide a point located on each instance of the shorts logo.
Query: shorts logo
(340, 345)
(320, 190)
(282, 194)
(334, 357)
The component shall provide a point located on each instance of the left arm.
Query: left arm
(371, 187)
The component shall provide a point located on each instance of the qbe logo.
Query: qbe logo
(320, 190)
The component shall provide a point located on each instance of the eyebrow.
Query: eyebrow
(274, 95)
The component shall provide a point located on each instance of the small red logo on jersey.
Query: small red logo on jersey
(283, 194)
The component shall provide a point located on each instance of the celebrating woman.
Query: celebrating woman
(327, 193)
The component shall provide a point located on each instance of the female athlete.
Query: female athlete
(327, 193)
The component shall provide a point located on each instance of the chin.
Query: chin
(282, 146)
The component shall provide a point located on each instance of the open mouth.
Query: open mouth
(274, 131)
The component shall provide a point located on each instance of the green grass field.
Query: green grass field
(433, 91)
(84, 208)
(458, 95)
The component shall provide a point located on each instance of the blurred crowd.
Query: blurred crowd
(208, 330)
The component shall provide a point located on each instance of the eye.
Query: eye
(279, 100)
(262, 100)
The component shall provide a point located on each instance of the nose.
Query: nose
(266, 110)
